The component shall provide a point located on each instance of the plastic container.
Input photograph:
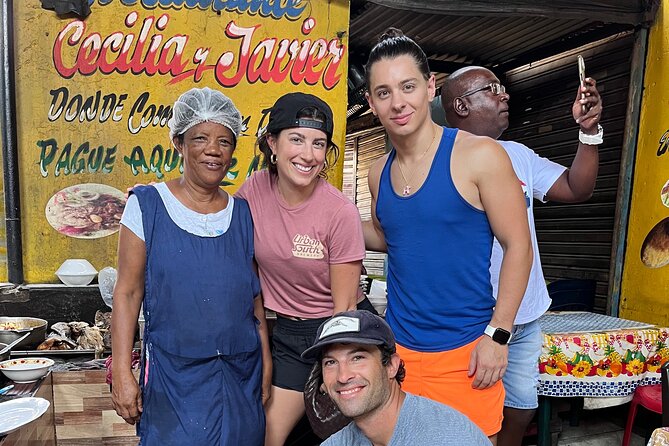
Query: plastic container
(76, 272)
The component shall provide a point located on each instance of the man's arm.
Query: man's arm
(371, 229)
(502, 199)
(577, 183)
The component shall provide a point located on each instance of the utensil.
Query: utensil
(6, 389)
(21, 390)
(9, 347)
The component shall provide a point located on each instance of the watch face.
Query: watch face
(501, 336)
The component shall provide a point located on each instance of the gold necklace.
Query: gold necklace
(407, 186)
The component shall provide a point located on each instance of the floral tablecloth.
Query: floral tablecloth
(660, 437)
(609, 358)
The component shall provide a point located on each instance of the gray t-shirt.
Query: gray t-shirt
(421, 422)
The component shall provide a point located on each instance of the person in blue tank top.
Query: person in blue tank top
(438, 198)
(186, 253)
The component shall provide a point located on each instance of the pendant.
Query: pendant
(407, 190)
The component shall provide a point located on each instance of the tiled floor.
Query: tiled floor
(601, 427)
(595, 432)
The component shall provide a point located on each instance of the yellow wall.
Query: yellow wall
(645, 286)
(193, 47)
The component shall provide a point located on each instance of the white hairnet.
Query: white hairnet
(199, 105)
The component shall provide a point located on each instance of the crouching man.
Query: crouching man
(363, 375)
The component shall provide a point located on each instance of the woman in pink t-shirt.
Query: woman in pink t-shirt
(308, 245)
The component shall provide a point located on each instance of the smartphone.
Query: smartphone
(581, 76)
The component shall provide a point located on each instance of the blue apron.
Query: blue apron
(202, 367)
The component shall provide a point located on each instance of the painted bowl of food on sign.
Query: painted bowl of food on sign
(86, 211)
(655, 248)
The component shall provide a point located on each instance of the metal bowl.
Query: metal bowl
(4, 355)
(20, 326)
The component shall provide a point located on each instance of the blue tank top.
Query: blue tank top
(439, 246)
(199, 291)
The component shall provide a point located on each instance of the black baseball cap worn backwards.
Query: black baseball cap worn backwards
(351, 327)
(285, 110)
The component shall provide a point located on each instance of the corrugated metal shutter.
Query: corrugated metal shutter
(574, 239)
(370, 145)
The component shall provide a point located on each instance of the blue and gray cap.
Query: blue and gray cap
(351, 327)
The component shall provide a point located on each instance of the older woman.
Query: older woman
(186, 252)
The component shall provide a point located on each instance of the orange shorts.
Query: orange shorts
(442, 376)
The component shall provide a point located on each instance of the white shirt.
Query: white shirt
(203, 225)
(536, 174)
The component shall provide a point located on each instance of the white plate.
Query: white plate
(21, 411)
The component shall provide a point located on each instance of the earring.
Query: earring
(272, 158)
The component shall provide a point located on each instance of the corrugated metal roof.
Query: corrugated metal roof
(500, 42)
(479, 40)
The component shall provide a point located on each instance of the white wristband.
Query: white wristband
(592, 140)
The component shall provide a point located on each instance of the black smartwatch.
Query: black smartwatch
(499, 335)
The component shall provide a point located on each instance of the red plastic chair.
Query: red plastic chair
(651, 398)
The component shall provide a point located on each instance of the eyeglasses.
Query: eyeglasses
(495, 87)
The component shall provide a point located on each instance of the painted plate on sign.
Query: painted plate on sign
(87, 211)
(664, 194)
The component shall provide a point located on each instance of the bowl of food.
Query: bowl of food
(25, 370)
(12, 328)
(76, 272)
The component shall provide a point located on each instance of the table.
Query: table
(660, 437)
(38, 432)
(593, 355)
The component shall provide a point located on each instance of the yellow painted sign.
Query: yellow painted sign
(645, 286)
(94, 96)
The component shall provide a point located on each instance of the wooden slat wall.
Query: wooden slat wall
(349, 174)
(574, 239)
(370, 146)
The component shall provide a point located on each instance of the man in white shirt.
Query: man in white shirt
(474, 100)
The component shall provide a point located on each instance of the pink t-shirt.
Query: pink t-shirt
(295, 246)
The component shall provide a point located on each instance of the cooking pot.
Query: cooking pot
(12, 328)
